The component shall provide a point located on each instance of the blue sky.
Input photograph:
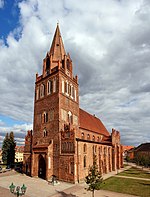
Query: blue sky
(9, 18)
(109, 45)
(9, 21)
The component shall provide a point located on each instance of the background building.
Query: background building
(65, 138)
(19, 150)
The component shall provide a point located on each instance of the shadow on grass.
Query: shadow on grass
(63, 194)
(146, 184)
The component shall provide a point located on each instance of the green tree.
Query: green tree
(5, 148)
(8, 149)
(94, 178)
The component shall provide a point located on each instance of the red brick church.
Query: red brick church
(65, 137)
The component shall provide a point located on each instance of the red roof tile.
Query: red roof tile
(19, 149)
(91, 123)
(126, 148)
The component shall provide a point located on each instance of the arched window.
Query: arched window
(45, 117)
(44, 132)
(42, 90)
(84, 161)
(37, 93)
(93, 138)
(70, 118)
(47, 64)
(98, 139)
(82, 135)
(68, 64)
(84, 148)
(54, 84)
(88, 136)
(50, 87)
(75, 95)
(63, 86)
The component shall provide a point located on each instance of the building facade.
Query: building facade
(19, 151)
(65, 138)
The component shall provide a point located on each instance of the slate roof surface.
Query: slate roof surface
(143, 147)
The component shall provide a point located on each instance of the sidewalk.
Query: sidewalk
(130, 177)
(37, 187)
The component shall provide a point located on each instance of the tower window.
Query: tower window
(45, 117)
(63, 86)
(70, 118)
(42, 90)
(75, 95)
(37, 93)
(47, 64)
(54, 85)
(49, 87)
(68, 65)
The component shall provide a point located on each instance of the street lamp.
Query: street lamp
(17, 191)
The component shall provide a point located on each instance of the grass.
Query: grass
(127, 186)
(135, 172)
(125, 165)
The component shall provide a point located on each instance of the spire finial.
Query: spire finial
(57, 47)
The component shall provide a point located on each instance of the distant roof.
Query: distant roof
(19, 148)
(126, 148)
(91, 123)
(143, 147)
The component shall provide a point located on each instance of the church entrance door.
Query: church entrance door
(42, 167)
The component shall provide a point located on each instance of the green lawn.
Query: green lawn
(125, 165)
(127, 186)
(135, 172)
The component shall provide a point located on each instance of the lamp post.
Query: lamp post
(17, 190)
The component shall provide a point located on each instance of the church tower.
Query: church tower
(56, 115)
(65, 139)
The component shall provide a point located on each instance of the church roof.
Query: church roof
(57, 49)
(91, 123)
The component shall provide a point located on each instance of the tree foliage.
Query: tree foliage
(8, 149)
(94, 178)
(142, 159)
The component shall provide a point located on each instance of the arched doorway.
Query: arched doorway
(42, 167)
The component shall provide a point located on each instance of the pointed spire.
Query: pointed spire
(57, 49)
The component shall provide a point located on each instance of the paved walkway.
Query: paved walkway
(131, 177)
(40, 188)
(37, 187)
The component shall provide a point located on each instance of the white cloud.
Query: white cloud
(19, 132)
(1, 3)
(109, 44)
